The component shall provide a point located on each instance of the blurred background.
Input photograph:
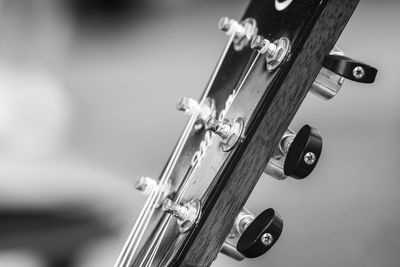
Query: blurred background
(85, 86)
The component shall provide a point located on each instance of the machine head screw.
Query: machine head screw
(309, 158)
(358, 72)
(267, 239)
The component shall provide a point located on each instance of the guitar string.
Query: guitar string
(146, 212)
(134, 241)
(129, 251)
(125, 249)
(164, 228)
(210, 83)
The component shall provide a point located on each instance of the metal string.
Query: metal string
(194, 116)
(133, 240)
(163, 228)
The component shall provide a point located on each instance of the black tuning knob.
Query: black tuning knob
(350, 68)
(261, 234)
(303, 154)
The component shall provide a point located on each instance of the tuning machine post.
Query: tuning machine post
(251, 236)
(243, 31)
(192, 107)
(229, 132)
(147, 185)
(296, 155)
(335, 69)
(187, 214)
(275, 52)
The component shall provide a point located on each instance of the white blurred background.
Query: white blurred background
(87, 104)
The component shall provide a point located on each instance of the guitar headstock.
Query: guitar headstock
(276, 54)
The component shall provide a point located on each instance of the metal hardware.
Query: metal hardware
(350, 69)
(187, 215)
(297, 154)
(327, 84)
(242, 221)
(263, 45)
(358, 72)
(267, 239)
(204, 112)
(147, 185)
(309, 158)
(275, 53)
(274, 167)
(243, 31)
(229, 132)
(261, 234)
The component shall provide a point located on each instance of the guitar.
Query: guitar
(277, 53)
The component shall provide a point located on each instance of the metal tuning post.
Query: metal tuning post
(275, 52)
(337, 67)
(204, 112)
(243, 31)
(230, 132)
(187, 215)
(146, 185)
(242, 221)
(297, 154)
(252, 236)
(327, 84)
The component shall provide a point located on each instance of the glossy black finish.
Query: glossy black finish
(308, 139)
(250, 243)
(344, 66)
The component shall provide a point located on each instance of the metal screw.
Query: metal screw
(309, 158)
(267, 239)
(358, 72)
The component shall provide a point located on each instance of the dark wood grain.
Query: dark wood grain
(275, 114)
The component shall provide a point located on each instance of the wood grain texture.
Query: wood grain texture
(276, 113)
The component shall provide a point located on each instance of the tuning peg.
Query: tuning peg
(261, 234)
(327, 84)
(230, 132)
(187, 214)
(243, 31)
(275, 52)
(337, 67)
(350, 68)
(203, 111)
(297, 154)
(147, 185)
(242, 221)
(252, 236)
